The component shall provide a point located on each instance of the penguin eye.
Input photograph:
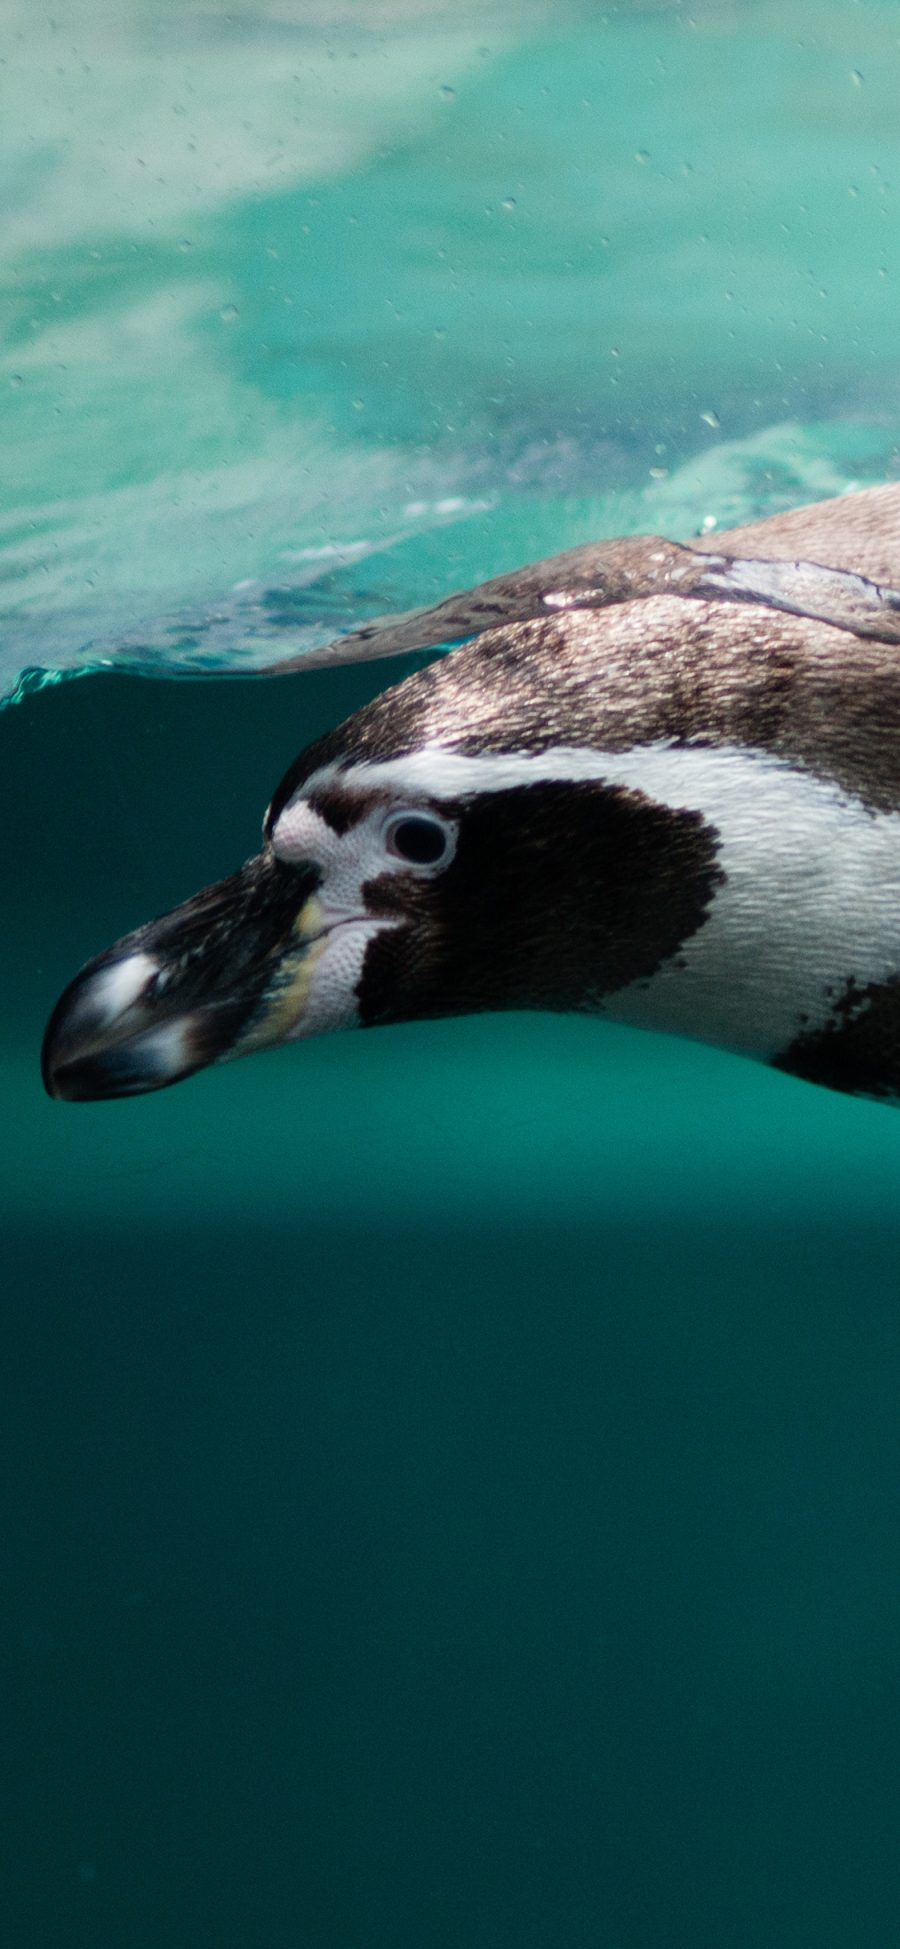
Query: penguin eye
(419, 838)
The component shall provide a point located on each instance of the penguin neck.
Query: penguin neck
(805, 911)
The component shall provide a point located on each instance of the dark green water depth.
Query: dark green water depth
(450, 1474)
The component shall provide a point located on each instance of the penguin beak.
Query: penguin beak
(225, 973)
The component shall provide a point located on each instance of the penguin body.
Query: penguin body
(661, 784)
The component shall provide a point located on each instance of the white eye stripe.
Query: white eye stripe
(679, 775)
(437, 772)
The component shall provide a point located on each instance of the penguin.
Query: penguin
(656, 782)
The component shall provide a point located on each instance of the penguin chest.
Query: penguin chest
(799, 947)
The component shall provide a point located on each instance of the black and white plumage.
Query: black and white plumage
(659, 783)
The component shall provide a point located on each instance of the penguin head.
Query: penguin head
(452, 847)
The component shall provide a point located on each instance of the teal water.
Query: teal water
(450, 1482)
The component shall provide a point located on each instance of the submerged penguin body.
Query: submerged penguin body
(661, 784)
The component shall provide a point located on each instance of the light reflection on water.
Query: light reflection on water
(271, 282)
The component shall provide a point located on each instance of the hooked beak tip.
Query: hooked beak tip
(101, 1042)
(220, 975)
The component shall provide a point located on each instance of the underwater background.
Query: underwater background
(451, 1475)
